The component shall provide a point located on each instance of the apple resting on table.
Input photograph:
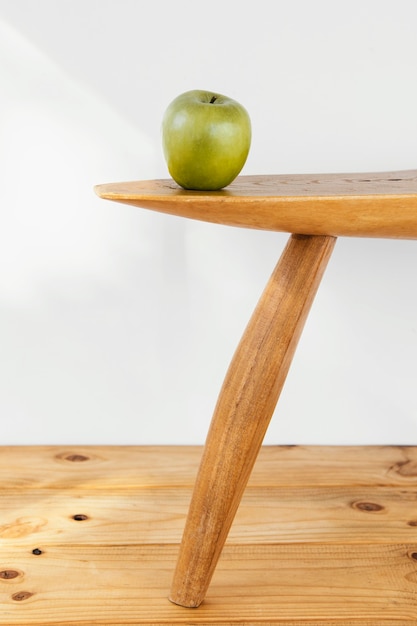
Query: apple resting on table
(206, 139)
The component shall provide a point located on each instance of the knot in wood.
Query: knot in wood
(8, 574)
(21, 595)
(406, 469)
(76, 458)
(370, 507)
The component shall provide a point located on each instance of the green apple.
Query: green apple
(206, 139)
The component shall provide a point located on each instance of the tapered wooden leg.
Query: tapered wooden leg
(245, 406)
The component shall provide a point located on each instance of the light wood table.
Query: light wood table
(315, 209)
(324, 536)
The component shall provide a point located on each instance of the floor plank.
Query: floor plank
(129, 583)
(152, 515)
(101, 467)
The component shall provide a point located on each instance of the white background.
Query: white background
(116, 324)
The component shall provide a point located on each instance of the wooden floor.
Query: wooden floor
(324, 536)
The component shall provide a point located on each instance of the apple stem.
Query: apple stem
(213, 99)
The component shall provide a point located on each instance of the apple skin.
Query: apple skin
(206, 139)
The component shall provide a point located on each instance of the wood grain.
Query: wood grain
(263, 584)
(291, 515)
(245, 406)
(377, 204)
(325, 536)
(121, 468)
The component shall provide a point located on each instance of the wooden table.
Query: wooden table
(316, 209)
(324, 536)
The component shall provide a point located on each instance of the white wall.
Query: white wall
(117, 324)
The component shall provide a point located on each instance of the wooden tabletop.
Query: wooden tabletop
(325, 536)
(378, 204)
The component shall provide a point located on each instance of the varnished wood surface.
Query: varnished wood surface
(246, 403)
(378, 204)
(325, 536)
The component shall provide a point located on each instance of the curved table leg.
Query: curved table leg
(245, 406)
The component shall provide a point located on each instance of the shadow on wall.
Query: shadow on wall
(73, 267)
